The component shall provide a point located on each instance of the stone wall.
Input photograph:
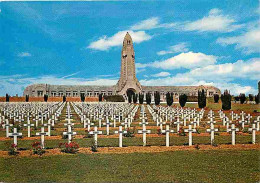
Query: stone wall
(50, 99)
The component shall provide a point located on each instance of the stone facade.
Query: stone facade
(127, 82)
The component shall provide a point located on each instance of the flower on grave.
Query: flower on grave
(37, 148)
(35, 144)
(13, 149)
(159, 131)
(71, 147)
(13, 146)
(181, 132)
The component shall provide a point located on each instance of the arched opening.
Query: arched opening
(130, 91)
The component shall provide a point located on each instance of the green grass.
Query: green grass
(135, 141)
(178, 166)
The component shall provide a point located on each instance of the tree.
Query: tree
(130, 98)
(141, 98)
(169, 98)
(157, 98)
(100, 96)
(257, 98)
(135, 98)
(7, 98)
(202, 99)
(26, 98)
(148, 98)
(242, 98)
(82, 97)
(251, 97)
(182, 100)
(45, 97)
(216, 98)
(236, 98)
(64, 98)
(226, 100)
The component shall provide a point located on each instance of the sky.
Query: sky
(177, 43)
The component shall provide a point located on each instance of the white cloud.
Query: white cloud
(105, 43)
(215, 21)
(181, 47)
(248, 42)
(146, 24)
(24, 54)
(221, 76)
(161, 74)
(151, 23)
(184, 60)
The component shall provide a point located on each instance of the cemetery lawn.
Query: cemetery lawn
(180, 166)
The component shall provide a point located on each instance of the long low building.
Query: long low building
(128, 83)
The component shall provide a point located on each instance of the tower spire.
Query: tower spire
(127, 77)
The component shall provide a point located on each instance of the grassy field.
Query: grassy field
(135, 141)
(179, 166)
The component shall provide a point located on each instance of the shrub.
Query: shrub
(82, 97)
(242, 98)
(100, 96)
(257, 98)
(114, 98)
(71, 147)
(202, 99)
(236, 98)
(183, 100)
(159, 131)
(197, 130)
(197, 146)
(169, 98)
(141, 98)
(94, 146)
(88, 135)
(251, 97)
(181, 132)
(226, 100)
(7, 98)
(64, 98)
(148, 98)
(130, 133)
(135, 98)
(214, 143)
(37, 148)
(157, 98)
(45, 98)
(216, 98)
(13, 150)
(26, 98)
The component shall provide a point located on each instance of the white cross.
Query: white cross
(107, 126)
(178, 124)
(144, 131)
(95, 133)
(49, 127)
(120, 132)
(28, 127)
(212, 130)
(15, 135)
(253, 130)
(69, 133)
(7, 125)
(167, 131)
(190, 130)
(42, 134)
(233, 130)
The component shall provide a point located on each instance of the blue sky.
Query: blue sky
(176, 43)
